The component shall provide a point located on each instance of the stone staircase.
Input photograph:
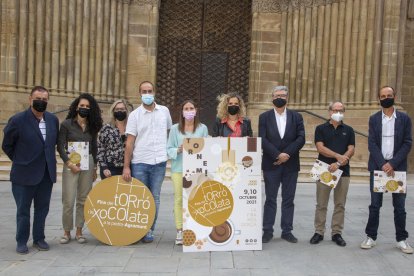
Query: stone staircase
(308, 155)
(5, 167)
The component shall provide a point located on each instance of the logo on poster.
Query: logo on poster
(119, 213)
(210, 203)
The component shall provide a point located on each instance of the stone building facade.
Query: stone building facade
(322, 49)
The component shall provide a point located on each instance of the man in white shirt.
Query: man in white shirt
(389, 143)
(283, 135)
(146, 146)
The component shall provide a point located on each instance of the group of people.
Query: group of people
(139, 143)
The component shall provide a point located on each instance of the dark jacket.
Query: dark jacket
(273, 145)
(24, 145)
(223, 130)
(402, 142)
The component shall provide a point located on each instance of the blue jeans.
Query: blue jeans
(273, 179)
(152, 176)
(24, 195)
(398, 201)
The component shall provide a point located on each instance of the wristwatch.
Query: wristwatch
(339, 164)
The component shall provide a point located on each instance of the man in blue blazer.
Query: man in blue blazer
(283, 135)
(29, 141)
(389, 143)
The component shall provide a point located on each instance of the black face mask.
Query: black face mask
(39, 105)
(387, 102)
(120, 115)
(233, 109)
(83, 112)
(279, 102)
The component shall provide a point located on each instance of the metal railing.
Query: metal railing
(326, 119)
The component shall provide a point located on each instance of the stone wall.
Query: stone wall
(330, 50)
(407, 91)
(321, 49)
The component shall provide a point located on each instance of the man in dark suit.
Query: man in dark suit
(283, 135)
(29, 141)
(389, 143)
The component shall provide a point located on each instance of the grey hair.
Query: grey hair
(334, 102)
(280, 88)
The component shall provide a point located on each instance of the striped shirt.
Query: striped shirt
(42, 127)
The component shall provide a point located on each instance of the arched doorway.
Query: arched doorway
(203, 51)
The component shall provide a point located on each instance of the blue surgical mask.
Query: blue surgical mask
(147, 99)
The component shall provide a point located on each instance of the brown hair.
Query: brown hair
(181, 120)
(40, 89)
(223, 102)
(387, 86)
(139, 87)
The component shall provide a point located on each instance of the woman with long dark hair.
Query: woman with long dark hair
(82, 124)
(189, 126)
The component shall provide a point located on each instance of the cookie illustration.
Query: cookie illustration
(187, 183)
(189, 237)
(221, 233)
(193, 145)
(247, 161)
(392, 185)
(326, 177)
(227, 171)
(75, 157)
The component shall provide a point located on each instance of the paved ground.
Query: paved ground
(164, 258)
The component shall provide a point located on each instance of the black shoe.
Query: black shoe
(316, 238)
(41, 245)
(289, 237)
(22, 249)
(337, 238)
(267, 237)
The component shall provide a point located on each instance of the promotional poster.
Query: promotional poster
(79, 154)
(390, 184)
(222, 194)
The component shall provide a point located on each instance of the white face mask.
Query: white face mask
(337, 117)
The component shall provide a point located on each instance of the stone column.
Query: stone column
(142, 44)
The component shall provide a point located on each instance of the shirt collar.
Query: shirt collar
(281, 115)
(145, 110)
(394, 114)
(329, 123)
(37, 119)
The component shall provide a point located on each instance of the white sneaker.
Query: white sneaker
(368, 243)
(405, 247)
(179, 238)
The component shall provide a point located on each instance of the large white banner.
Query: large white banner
(222, 194)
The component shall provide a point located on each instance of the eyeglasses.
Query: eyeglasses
(280, 96)
(337, 110)
(146, 91)
(119, 109)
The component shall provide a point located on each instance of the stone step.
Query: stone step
(308, 156)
